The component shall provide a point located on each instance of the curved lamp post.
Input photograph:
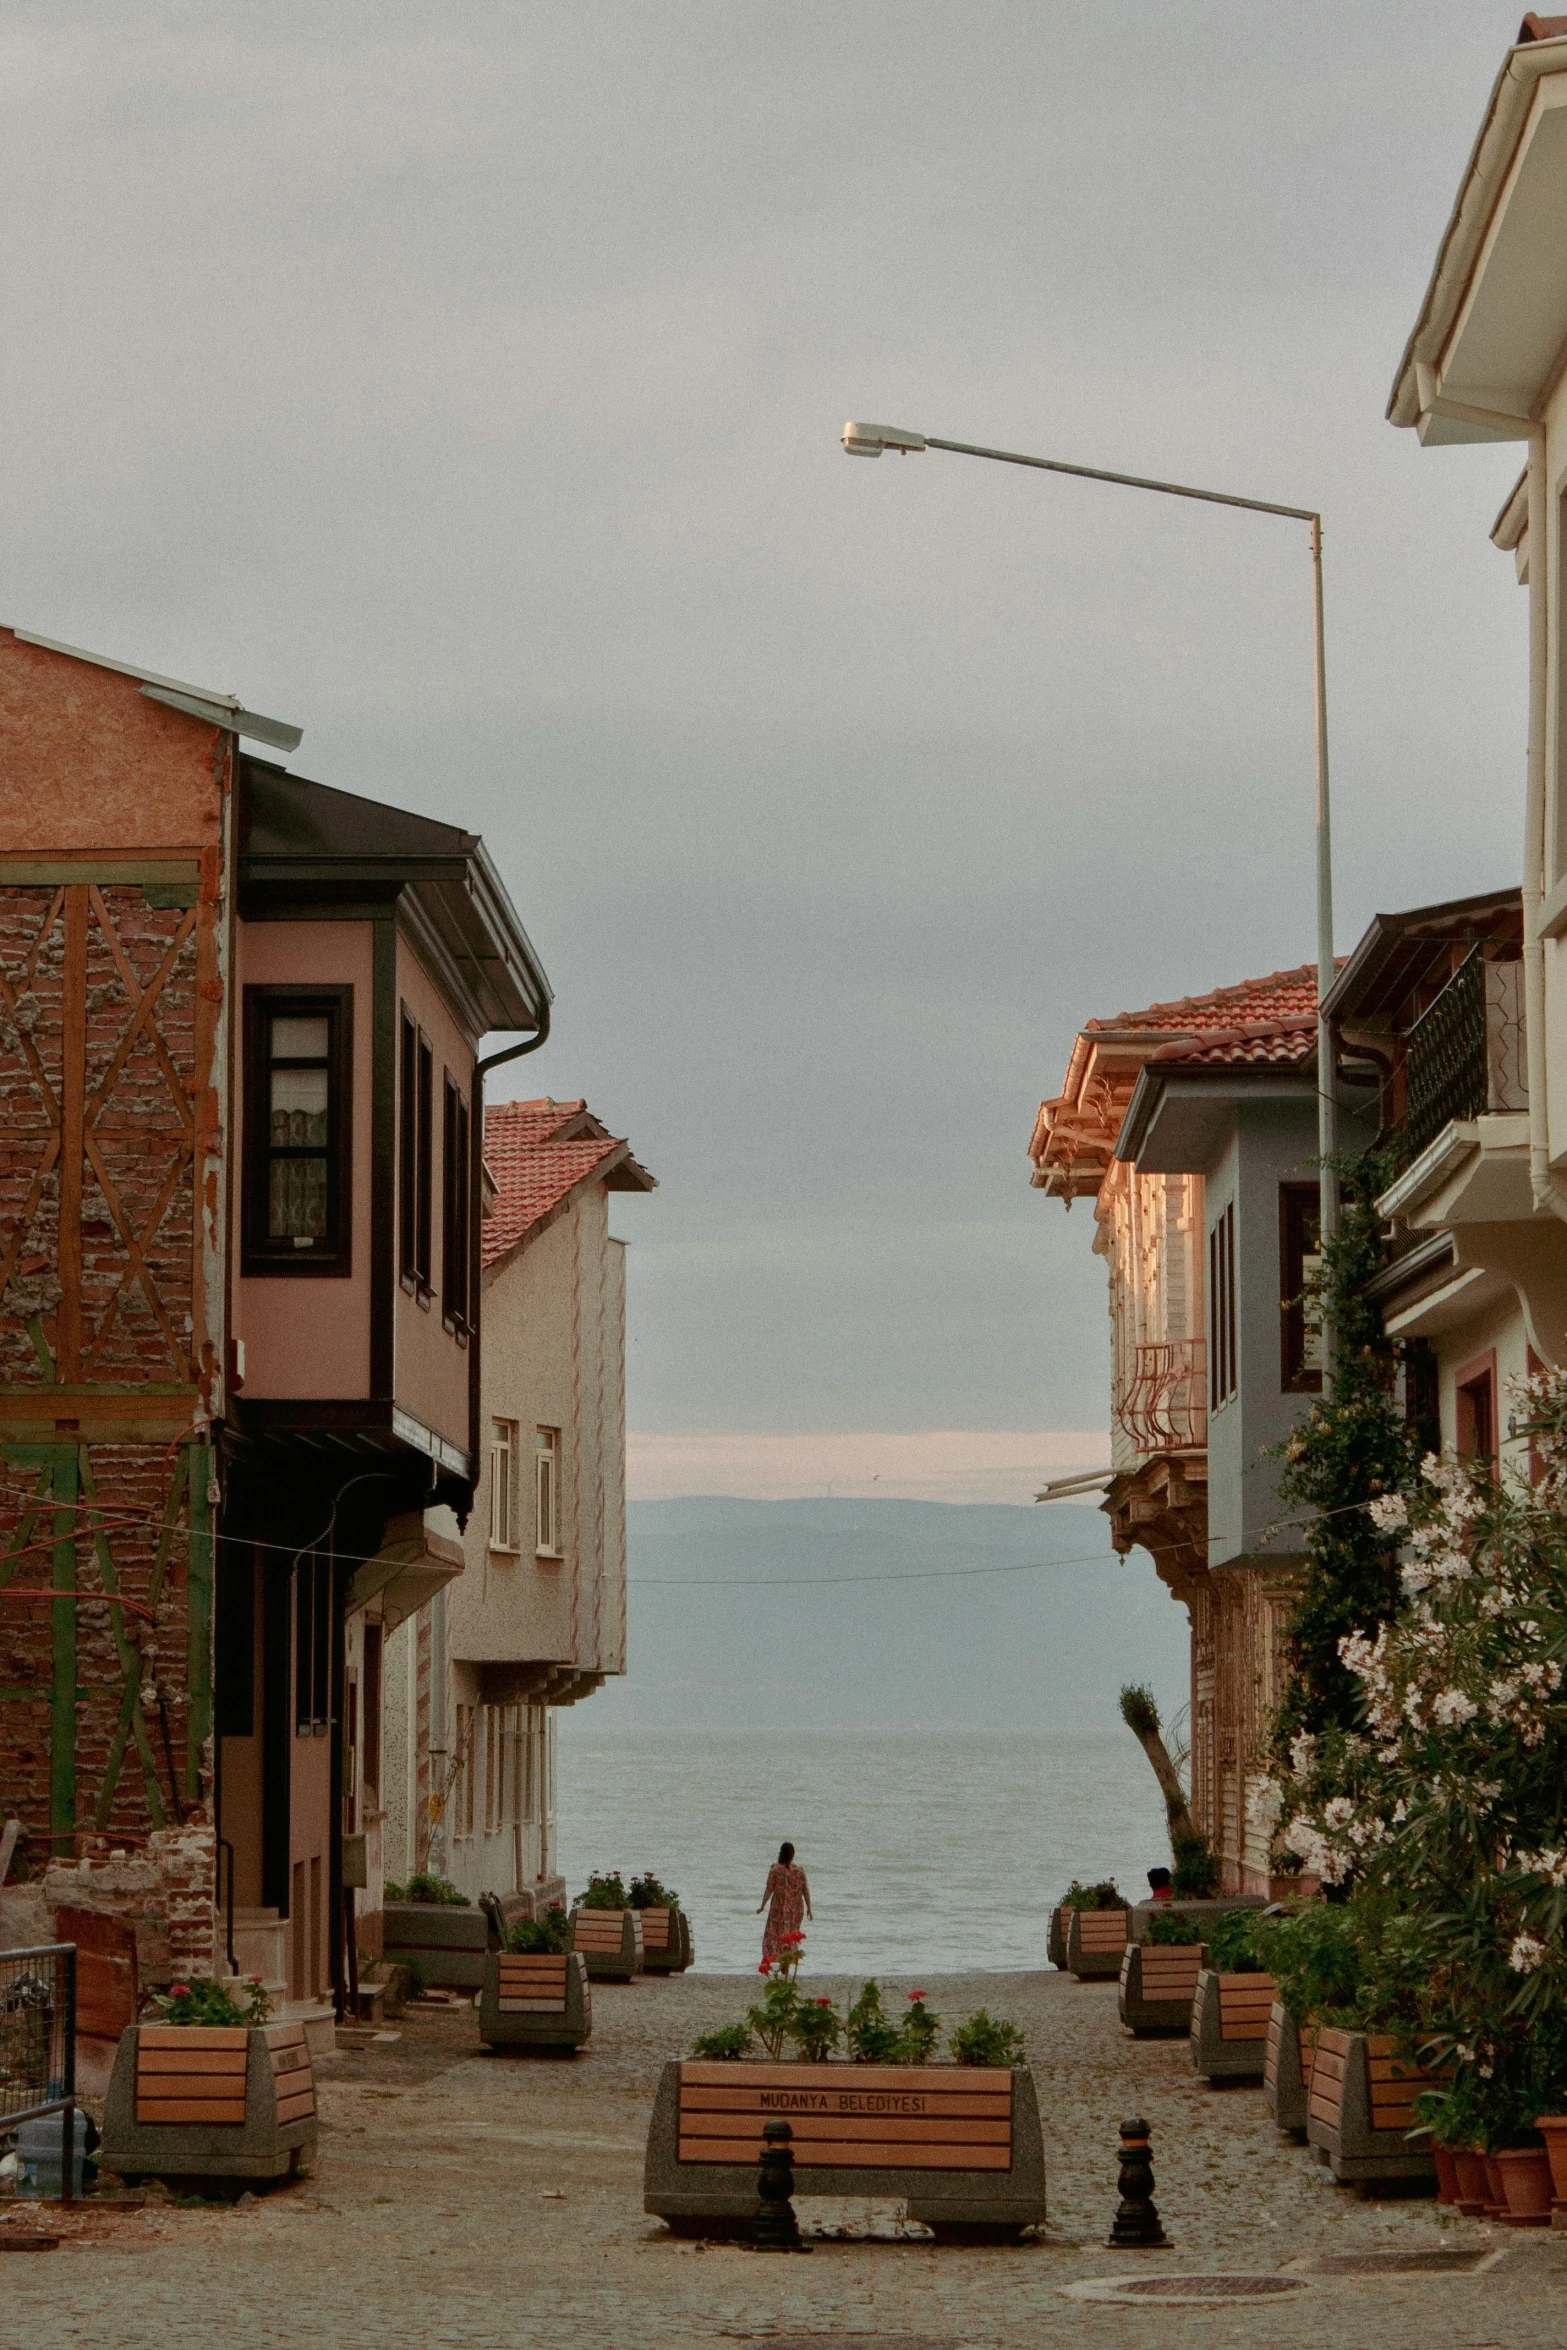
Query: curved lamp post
(869, 440)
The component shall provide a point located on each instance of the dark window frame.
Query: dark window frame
(260, 1254)
(1300, 1219)
(456, 1210)
(313, 1607)
(1477, 1435)
(415, 1157)
(1222, 1380)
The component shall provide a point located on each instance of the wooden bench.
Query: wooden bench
(611, 1942)
(1286, 2074)
(959, 2144)
(535, 1999)
(1360, 2107)
(1158, 1984)
(1229, 2031)
(217, 2100)
(666, 1941)
(1095, 1940)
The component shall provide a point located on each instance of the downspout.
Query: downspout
(513, 1052)
(1543, 1185)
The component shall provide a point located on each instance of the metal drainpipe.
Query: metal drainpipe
(513, 1052)
(1542, 1184)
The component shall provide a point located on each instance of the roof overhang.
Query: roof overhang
(1456, 918)
(1178, 1120)
(412, 1565)
(1489, 339)
(196, 701)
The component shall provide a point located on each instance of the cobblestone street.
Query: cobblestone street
(466, 2199)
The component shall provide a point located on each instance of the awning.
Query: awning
(411, 1566)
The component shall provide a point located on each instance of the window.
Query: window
(1300, 1221)
(414, 1155)
(503, 1485)
(1221, 1308)
(546, 1473)
(313, 1645)
(1475, 1398)
(455, 1179)
(298, 1058)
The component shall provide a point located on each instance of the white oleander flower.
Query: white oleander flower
(1303, 1753)
(1451, 1709)
(1415, 1575)
(1527, 1954)
(1389, 1512)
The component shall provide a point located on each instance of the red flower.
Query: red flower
(794, 1937)
(821, 2003)
(179, 1990)
(766, 1967)
(915, 1995)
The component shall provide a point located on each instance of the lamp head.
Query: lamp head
(869, 440)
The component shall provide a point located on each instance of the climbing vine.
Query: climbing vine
(1352, 1446)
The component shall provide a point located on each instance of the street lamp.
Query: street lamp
(869, 440)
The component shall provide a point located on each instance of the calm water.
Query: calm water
(925, 1852)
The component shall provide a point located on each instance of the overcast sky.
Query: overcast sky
(463, 382)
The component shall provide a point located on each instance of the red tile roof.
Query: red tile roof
(1286, 998)
(538, 1154)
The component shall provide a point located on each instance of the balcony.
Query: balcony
(1164, 1405)
(1464, 1056)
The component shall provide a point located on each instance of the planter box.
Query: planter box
(1158, 1984)
(611, 1942)
(216, 2101)
(450, 1944)
(1360, 2107)
(1286, 2075)
(533, 1999)
(1055, 1937)
(960, 2145)
(666, 1941)
(1230, 2025)
(1095, 1942)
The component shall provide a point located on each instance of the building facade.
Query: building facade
(239, 1294)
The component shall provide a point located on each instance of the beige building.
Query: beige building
(537, 1617)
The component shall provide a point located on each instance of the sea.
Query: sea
(936, 1851)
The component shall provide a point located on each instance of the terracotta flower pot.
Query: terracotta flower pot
(1553, 2129)
(1446, 2173)
(1495, 2192)
(1526, 2184)
(1473, 2189)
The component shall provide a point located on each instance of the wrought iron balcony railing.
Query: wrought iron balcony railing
(1164, 1405)
(1465, 1054)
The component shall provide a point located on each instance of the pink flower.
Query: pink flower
(179, 1990)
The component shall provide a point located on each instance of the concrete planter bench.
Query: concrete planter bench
(1360, 2108)
(1158, 1985)
(960, 2145)
(1202, 1913)
(1055, 1937)
(1230, 2025)
(611, 1942)
(535, 1999)
(216, 2101)
(1286, 2073)
(1095, 1941)
(666, 1941)
(450, 1944)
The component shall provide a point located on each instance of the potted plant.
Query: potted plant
(210, 2088)
(427, 1923)
(666, 1930)
(607, 1929)
(1159, 1975)
(535, 1992)
(1096, 1931)
(1077, 1896)
(1231, 2004)
(1311, 1951)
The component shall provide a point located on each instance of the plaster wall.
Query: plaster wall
(87, 761)
(305, 1337)
(1502, 1330)
(430, 1376)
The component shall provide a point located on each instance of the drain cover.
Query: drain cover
(1178, 2289)
(1456, 2262)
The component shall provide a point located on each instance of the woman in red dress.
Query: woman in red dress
(786, 1897)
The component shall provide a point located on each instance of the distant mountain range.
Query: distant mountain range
(1045, 1649)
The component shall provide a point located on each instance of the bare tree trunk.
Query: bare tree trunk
(1141, 1716)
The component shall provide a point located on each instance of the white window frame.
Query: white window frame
(504, 1529)
(546, 1493)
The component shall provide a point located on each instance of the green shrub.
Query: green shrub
(1105, 1895)
(919, 2034)
(552, 1932)
(1168, 1925)
(240, 2000)
(604, 1892)
(1195, 1876)
(413, 1967)
(725, 2046)
(816, 2028)
(647, 1893)
(1232, 1946)
(1313, 1954)
(986, 2039)
(872, 2036)
(435, 1892)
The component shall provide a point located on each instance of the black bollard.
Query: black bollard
(776, 2227)
(1136, 2225)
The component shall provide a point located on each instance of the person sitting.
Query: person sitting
(1159, 1885)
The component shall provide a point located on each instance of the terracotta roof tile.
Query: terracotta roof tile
(538, 1153)
(1287, 997)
